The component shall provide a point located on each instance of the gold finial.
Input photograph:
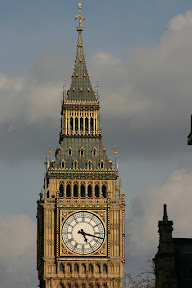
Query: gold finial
(49, 152)
(81, 17)
(115, 153)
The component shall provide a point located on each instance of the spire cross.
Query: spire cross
(81, 17)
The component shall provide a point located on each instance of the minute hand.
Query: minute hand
(93, 235)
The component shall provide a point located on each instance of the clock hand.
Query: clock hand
(82, 233)
(93, 235)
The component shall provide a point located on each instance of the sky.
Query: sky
(140, 52)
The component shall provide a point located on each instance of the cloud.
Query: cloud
(145, 94)
(18, 252)
(146, 209)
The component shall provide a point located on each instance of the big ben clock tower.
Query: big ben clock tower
(80, 215)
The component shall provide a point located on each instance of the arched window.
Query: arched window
(61, 190)
(91, 268)
(97, 191)
(75, 164)
(82, 191)
(102, 164)
(104, 191)
(75, 190)
(76, 268)
(62, 268)
(71, 124)
(94, 152)
(86, 124)
(81, 152)
(89, 165)
(81, 124)
(76, 123)
(68, 190)
(104, 268)
(90, 191)
(70, 151)
(91, 124)
(48, 194)
(62, 164)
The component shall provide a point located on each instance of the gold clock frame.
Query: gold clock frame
(63, 250)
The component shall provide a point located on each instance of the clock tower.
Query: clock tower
(80, 215)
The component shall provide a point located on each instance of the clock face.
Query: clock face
(83, 232)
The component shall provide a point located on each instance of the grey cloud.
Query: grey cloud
(145, 98)
(18, 252)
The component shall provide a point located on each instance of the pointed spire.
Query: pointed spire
(165, 217)
(80, 89)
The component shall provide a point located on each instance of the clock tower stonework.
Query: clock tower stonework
(80, 215)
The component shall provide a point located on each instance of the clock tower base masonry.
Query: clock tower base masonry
(80, 215)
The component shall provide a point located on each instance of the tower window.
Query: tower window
(75, 164)
(61, 190)
(48, 194)
(76, 123)
(71, 124)
(89, 165)
(94, 152)
(62, 164)
(102, 164)
(82, 191)
(75, 190)
(81, 124)
(86, 124)
(104, 191)
(90, 191)
(68, 190)
(97, 191)
(70, 151)
(81, 152)
(91, 124)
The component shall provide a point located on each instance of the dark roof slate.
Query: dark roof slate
(87, 143)
(80, 89)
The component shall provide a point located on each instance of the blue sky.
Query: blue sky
(140, 51)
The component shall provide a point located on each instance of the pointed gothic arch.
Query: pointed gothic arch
(61, 190)
(97, 191)
(68, 190)
(104, 191)
(82, 190)
(89, 164)
(90, 191)
(75, 164)
(75, 190)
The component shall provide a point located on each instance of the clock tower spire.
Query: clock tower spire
(80, 215)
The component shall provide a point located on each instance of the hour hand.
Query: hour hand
(82, 233)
